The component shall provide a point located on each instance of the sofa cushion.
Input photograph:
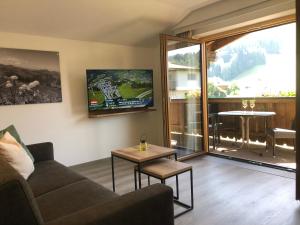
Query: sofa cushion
(15, 155)
(50, 175)
(13, 131)
(72, 198)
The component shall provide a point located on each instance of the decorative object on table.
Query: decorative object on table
(244, 104)
(252, 104)
(29, 77)
(143, 143)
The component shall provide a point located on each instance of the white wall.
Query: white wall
(78, 139)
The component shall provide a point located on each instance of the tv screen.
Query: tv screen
(119, 89)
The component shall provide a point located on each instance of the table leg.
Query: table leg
(214, 133)
(247, 131)
(266, 125)
(192, 189)
(266, 135)
(235, 129)
(139, 174)
(177, 188)
(135, 181)
(113, 172)
(243, 130)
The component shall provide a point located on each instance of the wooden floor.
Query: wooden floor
(226, 192)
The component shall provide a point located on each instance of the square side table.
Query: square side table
(134, 155)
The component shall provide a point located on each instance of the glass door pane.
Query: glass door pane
(184, 91)
(254, 71)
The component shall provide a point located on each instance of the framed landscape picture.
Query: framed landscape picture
(29, 77)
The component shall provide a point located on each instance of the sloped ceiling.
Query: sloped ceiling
(230, 14)
(126, 22)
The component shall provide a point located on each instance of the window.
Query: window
(191, 76)
(184, 71)
(257, 64)
(172, 82)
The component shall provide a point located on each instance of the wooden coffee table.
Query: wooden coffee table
(132, 154)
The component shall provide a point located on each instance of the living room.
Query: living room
(125, 35)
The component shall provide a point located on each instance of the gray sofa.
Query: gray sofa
(55, 195)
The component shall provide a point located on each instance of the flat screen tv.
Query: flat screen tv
(122, 90)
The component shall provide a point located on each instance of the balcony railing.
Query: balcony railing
(185, 116)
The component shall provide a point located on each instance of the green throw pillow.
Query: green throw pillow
(12, 130)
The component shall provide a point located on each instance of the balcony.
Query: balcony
(186, 129)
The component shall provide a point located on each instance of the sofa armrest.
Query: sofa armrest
(41, 151)
(17, 203)
(152, 205)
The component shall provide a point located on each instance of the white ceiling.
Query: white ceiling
(126, 22)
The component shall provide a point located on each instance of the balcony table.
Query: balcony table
(245, 117)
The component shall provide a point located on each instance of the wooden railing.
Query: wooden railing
(185, 115)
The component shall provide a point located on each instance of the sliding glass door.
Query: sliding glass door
(183, 95)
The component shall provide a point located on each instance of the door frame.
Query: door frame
(297, 99)
(203, 41)
(164, 38)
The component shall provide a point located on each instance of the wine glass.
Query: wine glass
(252, 104)
(244, 104)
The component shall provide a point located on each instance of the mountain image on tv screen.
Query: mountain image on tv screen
(119, 89)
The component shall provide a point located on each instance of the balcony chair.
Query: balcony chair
(214, 124)
(280, 133)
